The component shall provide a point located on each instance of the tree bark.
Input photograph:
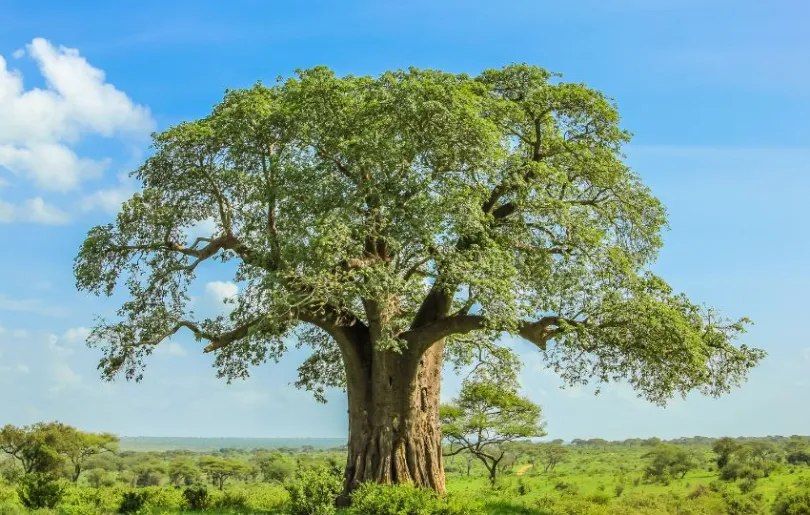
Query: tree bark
(394, 429)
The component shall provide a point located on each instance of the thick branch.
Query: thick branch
(538, 332)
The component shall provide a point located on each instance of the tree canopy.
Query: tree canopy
(348, 202)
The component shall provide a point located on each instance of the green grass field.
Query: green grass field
(592, 480)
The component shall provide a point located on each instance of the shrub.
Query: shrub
(599, 498)
(699, 491)
(795, 502)
(618, 490)
(196, 497)
(233, 499)
(747, 485)
(313, 492)
(523, 487)
(565, 487)
(39, 491)
(374, 499)
(133, 502)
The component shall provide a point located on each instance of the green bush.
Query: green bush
(374, 499)
(133, 502)
(39, 491)
(197, 498)
(747, 485)
(523, 487)
(792, 502)
(313, 492)
(233, 499)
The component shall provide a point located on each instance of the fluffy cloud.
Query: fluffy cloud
(40, 126)
(221, 291)
(33, 210)
(108, 200)
(170, 348)
(76, 335)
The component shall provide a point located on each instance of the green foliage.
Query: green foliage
(486, 416)
(275, 466)
(508, 189)
(374, 499)
(183, 471)
(39, 491)
(668, 461)
(133, 501)
(220, 470)
(793, 502)
(313, 491)
(232, 499)
(197, 497)
(53, 448)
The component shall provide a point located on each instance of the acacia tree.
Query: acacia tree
(485, 419)
(387, 221)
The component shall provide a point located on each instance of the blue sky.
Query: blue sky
(717, 94)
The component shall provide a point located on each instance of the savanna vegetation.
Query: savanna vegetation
(394, 225)
(590, 477)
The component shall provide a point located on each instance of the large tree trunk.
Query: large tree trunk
(394, 429)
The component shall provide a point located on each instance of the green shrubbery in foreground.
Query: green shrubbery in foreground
(309, 494)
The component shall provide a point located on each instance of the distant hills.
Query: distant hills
(161, 443)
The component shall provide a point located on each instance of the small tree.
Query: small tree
(668, 461)
(45, 448)
(36, 447)
(220, 470)
(78, 447)
(183, 471)
(485, 416)
(724, 448)
(550, 455)
(274, 466)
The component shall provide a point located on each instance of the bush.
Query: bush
(523, 487)
(313, 492)
(618, 490)
(233, 499)
(374, 499)
(565, 487)
(133, 502)
(39, 491)
(795, 502)
(747, 486)
(197, 497)
(599, 498)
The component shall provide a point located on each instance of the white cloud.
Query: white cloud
(53, 345)
(34, 210)
(170, 348)
(39, 126)
(203, 228)
(23, 368)
(64, 377)
(807, 354)
(109, 200)
(30, 306)
(76, 335)
(51, 166)
(221, 291)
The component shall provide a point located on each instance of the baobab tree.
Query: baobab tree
(392, 220)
